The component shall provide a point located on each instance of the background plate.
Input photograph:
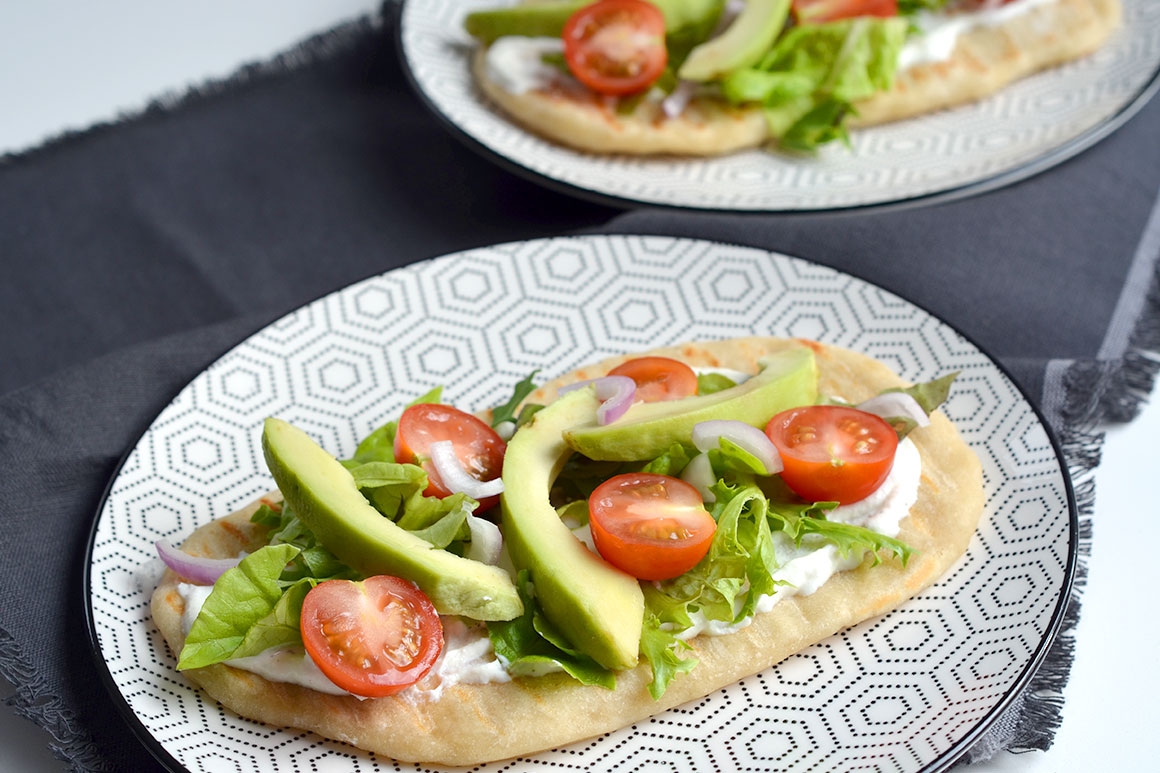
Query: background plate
(1024, 129)
(903, 692)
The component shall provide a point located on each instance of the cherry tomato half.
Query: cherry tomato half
(833, 453)
(371, 638)
(616, 47)
(651, 526)
(658, 378)
(479, 449)
(819, 11)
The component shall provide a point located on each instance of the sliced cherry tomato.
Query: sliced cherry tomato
(833, 453)
(651, 526)
(658, 378)
(371, 638)
(479, 449)
(819, 11)
(616, 47)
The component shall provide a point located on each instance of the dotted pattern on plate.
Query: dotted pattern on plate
(1023, 123)
(891, 694)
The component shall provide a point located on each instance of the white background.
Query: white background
(66, 65)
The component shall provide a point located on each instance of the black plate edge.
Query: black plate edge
(940, 763)
(1023, 171)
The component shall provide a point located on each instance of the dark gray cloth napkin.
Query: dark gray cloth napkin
(134, 254)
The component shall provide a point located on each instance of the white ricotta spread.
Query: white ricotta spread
(467, 657)
(516, 64)
(939, 32)
(806, 568)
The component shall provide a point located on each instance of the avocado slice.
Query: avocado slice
(598, 607)
(323, 494)
(747, 39)
(787, 379)
(547, 19)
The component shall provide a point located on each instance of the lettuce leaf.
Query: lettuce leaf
(388, 484)
(735, 571)
(810, 78)
(708, 383)
(660, 648)
(729, 457)
(530, 645)
(439, 521)
(849, 539)
(929, 395)
(507, 411)
(672, 462)
(282, 626)
(911, 7)
(240, 598)
(797, 518)
(379, 446)
(314, 560)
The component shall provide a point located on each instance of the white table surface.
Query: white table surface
(66, 65)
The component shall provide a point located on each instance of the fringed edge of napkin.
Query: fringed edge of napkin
(1095, 392)
(33, 701)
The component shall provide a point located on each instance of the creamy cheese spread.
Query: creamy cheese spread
(939, 32)
(467, 657)
(516, 63)
(806, 568)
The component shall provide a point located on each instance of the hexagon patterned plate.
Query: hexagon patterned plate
(1024, 129)
(900, 693)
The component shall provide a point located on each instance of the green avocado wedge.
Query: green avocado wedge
(547, 19)
(323, 494)
(787, 379)
(599, 608)
(747, 39)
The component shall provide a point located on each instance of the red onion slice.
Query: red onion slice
(891, 405)
(457, 479)
(698, 473)
(615, 393)
(676, 102)
(707, 435)
(198, 570)
(486, 541)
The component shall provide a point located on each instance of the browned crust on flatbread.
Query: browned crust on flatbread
(476, 723)
(984, 61)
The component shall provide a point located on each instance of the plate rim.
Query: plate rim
(941, 763)
(1001, 179)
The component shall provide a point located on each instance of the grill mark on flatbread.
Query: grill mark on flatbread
(472, 724)
(985, 60)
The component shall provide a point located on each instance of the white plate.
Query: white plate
(1024, 129)
(904, 692)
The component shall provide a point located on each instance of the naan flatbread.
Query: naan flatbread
(471, 724)
(984, 60)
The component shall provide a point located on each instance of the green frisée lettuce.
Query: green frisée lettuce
(662, 650)
(809, 80)
(739, 568)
